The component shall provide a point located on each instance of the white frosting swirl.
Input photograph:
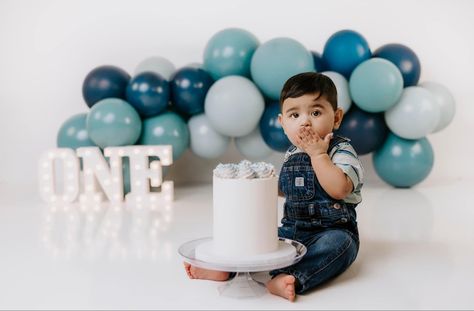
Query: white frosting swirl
(245, 170)
(263, 170)
(228, 170)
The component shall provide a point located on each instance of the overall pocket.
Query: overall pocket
(299, 182)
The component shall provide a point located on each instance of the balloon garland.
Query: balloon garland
(235, 92)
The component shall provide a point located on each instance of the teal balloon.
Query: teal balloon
(229, 52)
(166, 129)
(276, 61)
(73, 133)
(403, 163)
(376, 85)
(344, 50)
(113, 122)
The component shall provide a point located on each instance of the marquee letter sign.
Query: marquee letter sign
(104, 179)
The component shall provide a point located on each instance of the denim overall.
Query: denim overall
(326, 226)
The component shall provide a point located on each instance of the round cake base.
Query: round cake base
(206, 252)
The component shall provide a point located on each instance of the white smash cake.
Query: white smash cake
(245, 216)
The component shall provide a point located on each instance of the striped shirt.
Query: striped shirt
(345, 157)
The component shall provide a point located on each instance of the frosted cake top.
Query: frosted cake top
(245, 170)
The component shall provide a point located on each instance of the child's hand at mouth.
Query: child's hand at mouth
(311, 142)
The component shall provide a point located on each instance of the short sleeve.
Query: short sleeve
(345, 157)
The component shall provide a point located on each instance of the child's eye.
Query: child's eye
(294, 115)
(316, 113)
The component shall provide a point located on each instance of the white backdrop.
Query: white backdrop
(48, 47)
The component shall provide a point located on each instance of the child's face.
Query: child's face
(309, 110)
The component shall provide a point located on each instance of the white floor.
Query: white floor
(417, 252)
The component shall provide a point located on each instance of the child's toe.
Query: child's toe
(187, 268)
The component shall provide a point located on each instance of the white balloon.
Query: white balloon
(194, 65)
(415, 115)
(157, 64)
(252, 146)
(234, 106)
(342, 85)
(205, 141)
(445, 100)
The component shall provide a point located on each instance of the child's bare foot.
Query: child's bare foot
(283, 285)
(204, 274)
(187, 267)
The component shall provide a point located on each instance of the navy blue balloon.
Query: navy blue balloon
(104, 82)
(366, 130)
(271, 130)
(183, 115)
(189, 87)
(319, 63)
(148, 93)
(404, 58)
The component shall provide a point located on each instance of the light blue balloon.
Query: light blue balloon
(403, 163)
(205, 141)
(229, 52)
(276, 61)
(73, 133)
(344, 100)
(252, 146)
(415, 115)
(113, 122)
(166, 129)
(234, 106)
(158, 65)
(444, 100)
(376, 85)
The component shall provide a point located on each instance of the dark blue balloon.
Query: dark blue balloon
(404, 58)
(344, 51)
(319, 63)
(148, 93)
(104, 82)
(271, 130)
(366, 130)
(189, 87)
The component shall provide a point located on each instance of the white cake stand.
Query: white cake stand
(242, 285)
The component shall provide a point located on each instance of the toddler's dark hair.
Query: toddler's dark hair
(309, 83)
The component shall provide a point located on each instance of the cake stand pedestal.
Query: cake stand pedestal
(242, 285)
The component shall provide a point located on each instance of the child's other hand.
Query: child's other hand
(311, 143)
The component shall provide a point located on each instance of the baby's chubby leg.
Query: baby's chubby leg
(205, 274)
